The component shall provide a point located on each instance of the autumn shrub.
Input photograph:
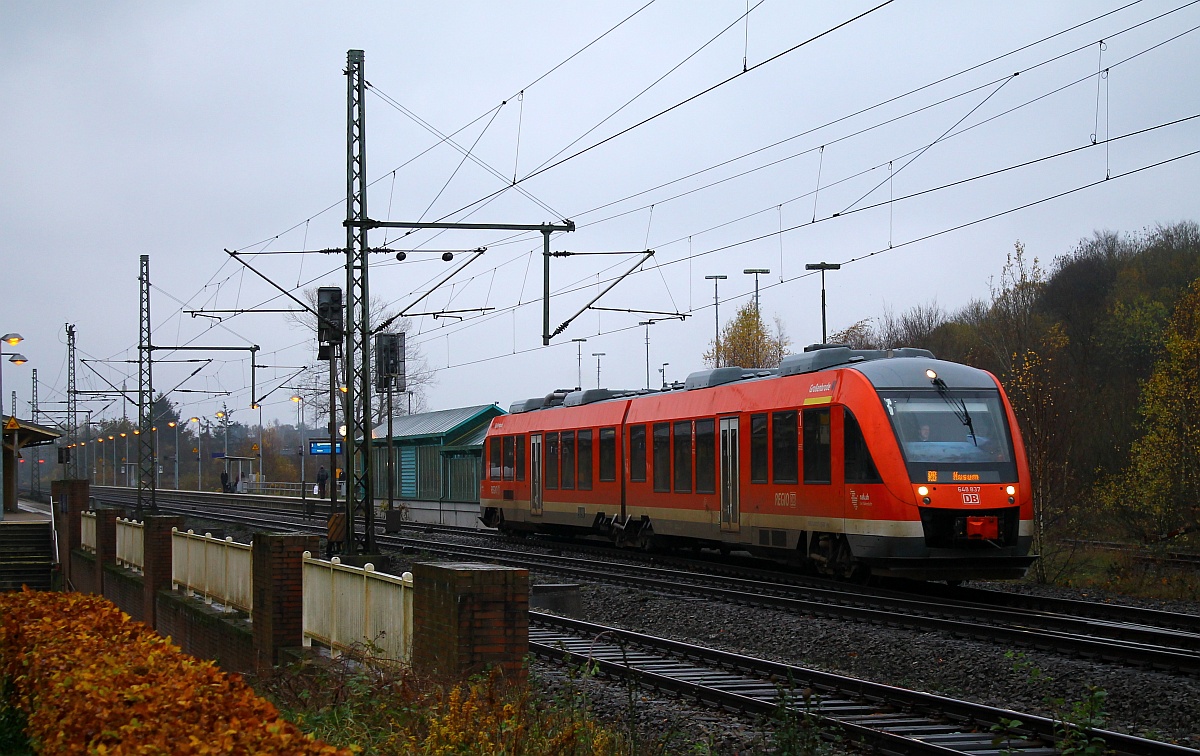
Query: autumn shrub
(91, 680)
(402, 713)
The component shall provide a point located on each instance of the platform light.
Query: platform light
(12, 339)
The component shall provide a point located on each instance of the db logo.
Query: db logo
(970, 498)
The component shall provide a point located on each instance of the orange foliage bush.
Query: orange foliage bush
(91, 680)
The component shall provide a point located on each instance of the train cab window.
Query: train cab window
(583, 479)
(784, 449)
(662, 456)
(683, 457)
(508, 461)
(608, 454)
(758, 448)
(706, 456)
(566, 478)
(860, 468)
(494, 458)
(637, 453)
(818, 462)
(551, 476)
(520, 457)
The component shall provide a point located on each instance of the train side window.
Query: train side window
(584, 478)
(784, 447)
(662, 456)
(551, 476)
(637, 453)
(494, 466)
(706, 456)
(566, 478)
(758, 448)
(818, 463)
(608, 454)
(683, 457)
(860, 468)
(520, 458)
(508, 460)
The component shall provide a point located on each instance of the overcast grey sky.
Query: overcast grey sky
(181, 129)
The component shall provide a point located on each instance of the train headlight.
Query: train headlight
(922, 490)
(1011, 490)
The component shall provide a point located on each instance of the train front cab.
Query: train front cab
(957, 477)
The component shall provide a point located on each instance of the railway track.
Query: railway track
(887, 718)
(1158, 640)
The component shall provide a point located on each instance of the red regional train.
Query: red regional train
(853, 462)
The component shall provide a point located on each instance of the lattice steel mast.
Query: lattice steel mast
(35, 476)
(72, 406)
(360, 502)
(146, 498)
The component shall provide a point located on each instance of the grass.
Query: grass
(1088, 568)
(376, 711)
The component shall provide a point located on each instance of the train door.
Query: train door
(535, 474)
(730, 506)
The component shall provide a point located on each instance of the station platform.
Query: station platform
(28, 511)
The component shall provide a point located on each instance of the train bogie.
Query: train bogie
(847, 461)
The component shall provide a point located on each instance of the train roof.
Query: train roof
(885, 368)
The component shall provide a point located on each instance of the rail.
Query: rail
(131, 544)
(358, 610)
(219, 570)
(87, 531)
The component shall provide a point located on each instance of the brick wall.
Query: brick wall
(124, 588)
(85, 575)
(204, 632)
(468, 617)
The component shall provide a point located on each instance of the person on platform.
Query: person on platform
(225, 481)
(322, 481)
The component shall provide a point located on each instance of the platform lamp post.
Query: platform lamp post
(597, 355)
(124, 461)
(199, 484)
(262, 474)
(175, 425)
(756, 272)
(12, 339)
(823, 266)
(299, 400)
(578, 363)
(113, 471)
(647, 323)
(716, 318)
(663, 371)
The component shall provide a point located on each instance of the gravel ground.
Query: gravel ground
(1146, 703)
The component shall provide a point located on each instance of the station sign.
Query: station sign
(318, 446)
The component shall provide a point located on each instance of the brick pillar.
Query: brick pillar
(75, 496)
(278, 616)
(467, 617)
(106, 543)
(156, 561)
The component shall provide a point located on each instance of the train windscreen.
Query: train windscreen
(952, 436)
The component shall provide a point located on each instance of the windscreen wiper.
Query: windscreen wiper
(958, 405)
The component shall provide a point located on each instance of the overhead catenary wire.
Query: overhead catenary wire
(1106, 142)
(580, 286)
(882, 250)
